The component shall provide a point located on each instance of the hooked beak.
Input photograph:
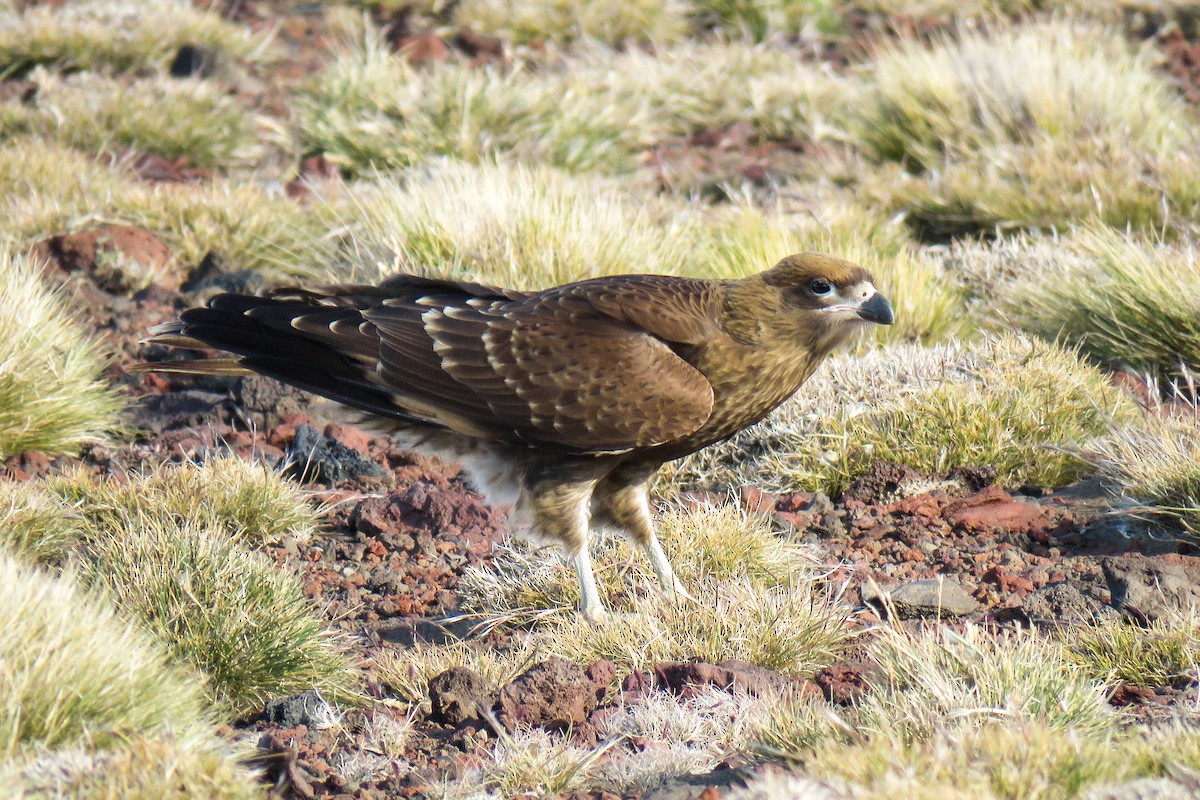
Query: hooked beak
(876, 309)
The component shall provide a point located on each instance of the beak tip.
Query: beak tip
(878, 310)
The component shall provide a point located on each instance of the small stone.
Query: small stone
(939, 596)
(307, 708)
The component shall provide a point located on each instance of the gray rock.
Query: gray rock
(1067, 604)
(188, 408)
(927, 598)
(1151, 586)
(307, 708)
(315, 457)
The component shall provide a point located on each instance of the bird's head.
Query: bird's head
(809, 300)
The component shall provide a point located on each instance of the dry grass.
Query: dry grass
(51, 395)
(1016, 86)
(1153, 467)
(243, 622)
(1033, 126)
(73, 674)
(1010, 402)
(406, 673)
(508, 225)
(758, 598)
(141, 767)
(117, 35)
(244, 500)
(596, 110)
(57, 188)
(171, 117)
(564, 21)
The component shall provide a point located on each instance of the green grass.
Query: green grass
(597, 109)
(52, 397)
(117, 35)
(244, 500)
(1156, 656)
(1013, 403)
(73, 674)
(1036, 125)
(34, 526)
(59, 188)
(1125, 301)
(239, 619)
(1153, 467)
(170, 117)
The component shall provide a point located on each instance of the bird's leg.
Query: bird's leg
(561, 513)
(627, 505)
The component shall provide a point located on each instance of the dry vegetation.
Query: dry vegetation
(1046, 144)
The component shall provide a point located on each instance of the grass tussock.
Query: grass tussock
(117, 35)
(659, 22)
(1006, 401)
(51, 395)
(597, 110)
(34, 526)
(1153, 467)
(564, 21)
(73, 674)
(1033, 126)
(244, 500)
(1124, 301)
(139, 768)
(170, 117)
(1155, 656)
(59, 188)
(508, 225)
(1008, 761)
(406, 673)
(758, 598)
(710, 544)
(991, 715)
(240, 620)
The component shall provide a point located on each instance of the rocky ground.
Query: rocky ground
(403, 527)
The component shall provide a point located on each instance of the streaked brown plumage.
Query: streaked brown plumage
(565, 401)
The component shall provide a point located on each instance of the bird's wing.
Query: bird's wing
(567, 369)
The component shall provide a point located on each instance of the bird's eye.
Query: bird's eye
(819, 286)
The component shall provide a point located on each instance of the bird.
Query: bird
(562, 402)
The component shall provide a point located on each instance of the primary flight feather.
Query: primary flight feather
(565, 401)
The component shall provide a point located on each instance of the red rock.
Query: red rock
(1008, 582)
(602, 672)
(349, 435)
(86, 250)
(423, 48)
(757, 502)
(992, 508)
(554, 694)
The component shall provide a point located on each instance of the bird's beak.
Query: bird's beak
(876, 308)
